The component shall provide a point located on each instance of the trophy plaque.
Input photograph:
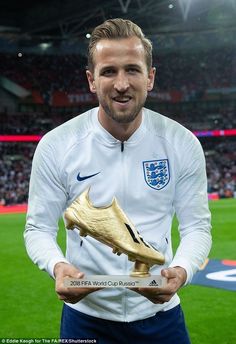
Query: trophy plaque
(110, 226)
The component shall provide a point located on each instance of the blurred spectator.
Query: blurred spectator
(15, 167)
(221, 167)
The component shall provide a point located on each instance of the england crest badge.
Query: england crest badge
(156, 173)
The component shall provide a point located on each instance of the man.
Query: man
(152, 165)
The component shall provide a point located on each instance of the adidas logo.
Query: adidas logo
(153, 284)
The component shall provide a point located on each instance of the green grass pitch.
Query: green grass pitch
(29, 307)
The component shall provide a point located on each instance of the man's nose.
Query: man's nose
(121, 82)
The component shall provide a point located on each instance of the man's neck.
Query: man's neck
(121, 131)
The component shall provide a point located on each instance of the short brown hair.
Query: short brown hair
(116, 29)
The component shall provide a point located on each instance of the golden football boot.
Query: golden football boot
(111, 226)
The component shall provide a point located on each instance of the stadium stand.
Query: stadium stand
(196, 88)
(189, 73)
(221, 167)
(15, 166)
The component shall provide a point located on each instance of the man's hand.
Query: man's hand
(176, 277)
(70, 295)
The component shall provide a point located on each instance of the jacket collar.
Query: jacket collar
(106, 138)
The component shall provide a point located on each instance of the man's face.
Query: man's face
(120, 78)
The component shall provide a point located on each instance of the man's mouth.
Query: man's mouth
(122, 100)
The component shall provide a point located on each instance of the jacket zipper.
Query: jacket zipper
(122, 147)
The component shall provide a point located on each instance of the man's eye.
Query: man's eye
(108, 72)
(132, 70)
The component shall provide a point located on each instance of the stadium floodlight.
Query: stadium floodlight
(45, 46)
(185, 6)
(124, 6)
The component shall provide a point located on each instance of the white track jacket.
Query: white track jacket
(158, 171)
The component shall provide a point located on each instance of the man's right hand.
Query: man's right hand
(70, 295)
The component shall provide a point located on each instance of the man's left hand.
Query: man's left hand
(176, 278)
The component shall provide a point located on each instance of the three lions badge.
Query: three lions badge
(156, 173)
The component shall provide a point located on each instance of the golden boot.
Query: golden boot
(111, 226)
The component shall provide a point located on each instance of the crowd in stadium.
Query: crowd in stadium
(190, 73)
(221, 169)
(196, 71)
(45, 73)
(15, 166)
(194, 118)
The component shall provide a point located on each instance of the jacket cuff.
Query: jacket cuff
(52, 263)
(183, 263)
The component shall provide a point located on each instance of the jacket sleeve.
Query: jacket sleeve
(47, 200)
(192, 211)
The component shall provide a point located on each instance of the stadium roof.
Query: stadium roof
(60, 19)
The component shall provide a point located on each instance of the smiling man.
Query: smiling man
(121, 79)
(153, 166)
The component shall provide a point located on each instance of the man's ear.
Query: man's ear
(91, 81)
(151, 78)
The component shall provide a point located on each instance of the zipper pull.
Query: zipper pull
(122, 146)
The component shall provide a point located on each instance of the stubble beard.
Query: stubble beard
(123, 117)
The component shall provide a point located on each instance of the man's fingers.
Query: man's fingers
(168, 273)
(75, 295)
(67, 294)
